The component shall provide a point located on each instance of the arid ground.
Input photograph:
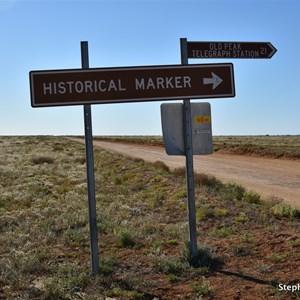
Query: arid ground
(248, 247)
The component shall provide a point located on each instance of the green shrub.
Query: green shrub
(221, 212)
(180, 172)
(157, 199)
(173, 278)
(25, 262)
(65, 281)
(252, 197)
(285, 210)
(124, 294)
(242, 217)
(223, 232)
(204, 212)
(205, 256)
(170, 265)
(107, 265)
(180, 194)
(125, 239)
(203, 289)
(207, 211)
(172, 242)
(207, 180)
(161, 165)
(295, 243)
(241, 251)
(236, 191)
(80, 160)
(278, 257)
(42, 160)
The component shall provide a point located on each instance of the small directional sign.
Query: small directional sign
(230, 50)
(131, 84)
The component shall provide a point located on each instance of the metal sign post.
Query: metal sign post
(188, 145)
(90, 170)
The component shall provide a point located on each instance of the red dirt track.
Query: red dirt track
(270, 177)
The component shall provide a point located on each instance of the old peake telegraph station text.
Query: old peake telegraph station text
(230, 50)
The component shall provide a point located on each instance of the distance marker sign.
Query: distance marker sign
(130, 84)
(230, 50)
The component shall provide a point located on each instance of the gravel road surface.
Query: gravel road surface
(270, 177)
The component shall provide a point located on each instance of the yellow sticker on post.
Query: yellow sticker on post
(202, 119)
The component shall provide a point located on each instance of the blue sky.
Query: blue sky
(46, 34)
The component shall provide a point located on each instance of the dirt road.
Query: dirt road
(270, 177)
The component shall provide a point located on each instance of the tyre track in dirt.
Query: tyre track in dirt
(270, 177)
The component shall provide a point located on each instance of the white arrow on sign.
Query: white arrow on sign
(215, 80)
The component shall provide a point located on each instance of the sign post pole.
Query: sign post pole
(188, 145)
(90, 170)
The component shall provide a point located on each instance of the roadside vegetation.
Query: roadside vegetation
(247, 245)
(273, 146)
(279, 146)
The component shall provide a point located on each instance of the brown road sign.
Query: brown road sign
(230, 50)
(130, 84)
